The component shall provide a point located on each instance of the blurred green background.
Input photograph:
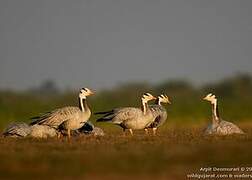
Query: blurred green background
(234, 95)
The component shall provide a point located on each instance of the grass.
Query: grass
(178, 150)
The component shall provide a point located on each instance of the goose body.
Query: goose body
(89, 128)
(35, 131)
(223, 128)
(42, 131)
(130, 117)
(17, 130)
(70, 116)
(67, 118)
(218, 125)
(159, 113)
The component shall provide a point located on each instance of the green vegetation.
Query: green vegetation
(187, 105)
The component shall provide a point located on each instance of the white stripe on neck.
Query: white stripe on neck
(81, 103)
(215, 108)
(144, 102)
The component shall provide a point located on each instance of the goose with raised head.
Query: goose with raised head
(219, 126)
(130, 118)
(68, 118)
(159, 113)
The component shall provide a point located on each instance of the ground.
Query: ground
(177, 150)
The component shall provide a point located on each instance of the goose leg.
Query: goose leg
(131, 132)
(58, 135)
(154, 131)
(68, 134)
(146, 131)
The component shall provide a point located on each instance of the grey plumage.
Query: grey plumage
(218, 125)
(159, 112)
(98, 132)
(223, 128)
(67, 118)
(43, 131)
(24, 130)
(130, 117)
(17, 130)
(89, 129)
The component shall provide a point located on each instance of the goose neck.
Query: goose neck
(215, 112)
(144, 106)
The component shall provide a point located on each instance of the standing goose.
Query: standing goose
(159, 113)
(67, 118)
(130, 117)
(219, 126)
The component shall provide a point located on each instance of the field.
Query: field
(178, 150)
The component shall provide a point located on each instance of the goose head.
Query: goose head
(163, 98)
(211, 98)
(147, 97)
(84, 92)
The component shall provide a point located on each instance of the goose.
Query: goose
(24, 130)
(219, 126)
(67, 118)
(130, 118)
(43, 131)
(17, 130)
(89, 128)
(159, 112)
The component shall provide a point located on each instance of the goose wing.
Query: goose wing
(56, 117)
(120, 115)
(17, 129)
(126, 114)
(159, 114)
(226, 127)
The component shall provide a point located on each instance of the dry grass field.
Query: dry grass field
(176, 151)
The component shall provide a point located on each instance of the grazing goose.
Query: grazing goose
(89, 128)
(35, 131)
(159, 112)
(219, 126)
(43, 131)
(67, 118)
(130, 117)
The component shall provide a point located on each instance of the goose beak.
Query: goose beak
(92, 92)
(154, 97)
(168, 101)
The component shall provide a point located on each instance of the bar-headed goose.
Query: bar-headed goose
(159, 113)
(130, 117)
(68, 118)
(219, 126)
